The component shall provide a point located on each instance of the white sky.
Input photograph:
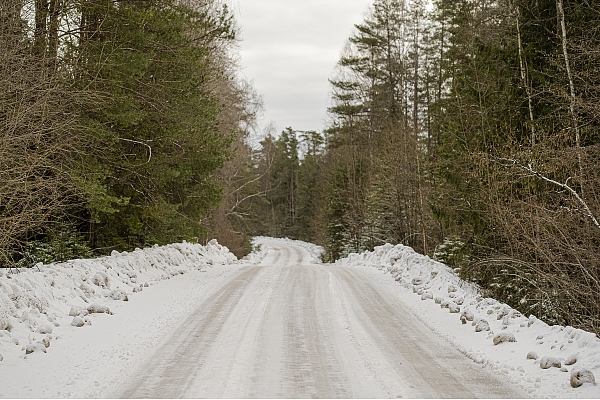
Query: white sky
(289, 49)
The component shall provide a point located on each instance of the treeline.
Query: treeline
(468, 131)
(118, 119)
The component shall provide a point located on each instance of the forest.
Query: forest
(466, 129)
(118, 120)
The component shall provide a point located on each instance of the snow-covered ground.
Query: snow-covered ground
(542, 360)
(126, 304)
(130, 303)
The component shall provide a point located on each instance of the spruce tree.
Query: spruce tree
(154, 137)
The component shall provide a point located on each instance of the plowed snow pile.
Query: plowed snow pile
(546, 361)
(38, 305)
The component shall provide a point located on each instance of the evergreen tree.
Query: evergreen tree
(310, 187)
(154, 134)
(284, 184)
(118, 115)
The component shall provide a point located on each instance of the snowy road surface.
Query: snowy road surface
(289, 328)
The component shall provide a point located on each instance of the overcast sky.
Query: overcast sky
(289, 49)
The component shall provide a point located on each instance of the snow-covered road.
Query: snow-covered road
(291, 328)
(187, 320)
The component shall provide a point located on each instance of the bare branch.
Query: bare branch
(565, 185)
(143, 144)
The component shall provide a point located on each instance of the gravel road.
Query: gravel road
(288, 328)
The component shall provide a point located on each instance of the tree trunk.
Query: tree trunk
(561, 16)
(416, 133)
(524, 76)
(54, 10)
(40, 34)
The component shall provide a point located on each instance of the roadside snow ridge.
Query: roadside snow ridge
(38, 303)
(487, 331)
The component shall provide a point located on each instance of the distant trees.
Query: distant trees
(379, 136)
(470, 132)
(289, 169)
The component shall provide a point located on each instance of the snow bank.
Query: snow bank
(37, 304)
(487, 331)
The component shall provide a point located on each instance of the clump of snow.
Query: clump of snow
(31, 348)
(101, 279)
(481, 325)
(548, 362)
(468, 315)
(98, 309)
(59, 297)
(407, 268)
(504, 337)
(77, 311)
(5, 324)
(417, 281)
(426, 296)
(579, 376)
(119, 294)
(572, 359)
(453, 308)
(45, 329)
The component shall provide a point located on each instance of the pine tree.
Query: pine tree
(310, 187)
(158, 119)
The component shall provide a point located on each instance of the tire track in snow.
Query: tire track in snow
(432, 369)
(184, 353)
(312, 368)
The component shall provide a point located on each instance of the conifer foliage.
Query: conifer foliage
(115, 117)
